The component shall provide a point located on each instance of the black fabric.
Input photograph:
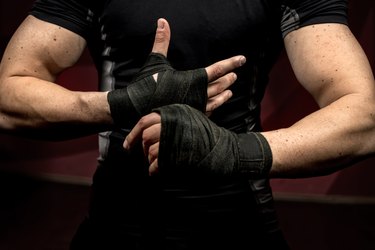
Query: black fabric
(123, 112)
(70, 14)
(255, 156)
(189, 141)
(172, 86)
(247, 220)
(129, 104)
(300, 13)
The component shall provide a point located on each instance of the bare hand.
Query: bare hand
(148, 130)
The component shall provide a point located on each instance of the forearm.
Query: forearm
(45, 110)
(325, 141)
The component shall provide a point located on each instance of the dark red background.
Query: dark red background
(285, 103)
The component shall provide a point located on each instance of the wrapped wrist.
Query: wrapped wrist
(122, 109)
(189, 141)
(254, 155)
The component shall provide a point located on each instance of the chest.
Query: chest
(207, 21)
(202, 31)
(187, 17)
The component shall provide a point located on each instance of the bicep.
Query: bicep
(328, 61)
(42, 50)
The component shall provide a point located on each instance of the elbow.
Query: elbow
(9, 118)
(5, 120)
(365, 122)
(371, 127)
(8, 122)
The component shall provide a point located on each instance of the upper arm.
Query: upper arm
(328, 61)
(40, 49)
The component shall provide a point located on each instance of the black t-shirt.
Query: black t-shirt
(120, 34)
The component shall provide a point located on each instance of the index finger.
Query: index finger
(223, 67)
(136, 133)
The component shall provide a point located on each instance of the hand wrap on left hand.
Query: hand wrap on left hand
(190, 141)
(144, 93)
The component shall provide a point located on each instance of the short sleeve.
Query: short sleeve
(300, 13)
(74, 15)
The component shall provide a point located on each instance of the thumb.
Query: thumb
(162, 37)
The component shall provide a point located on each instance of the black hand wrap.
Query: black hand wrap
(190, 140)
(144, 93)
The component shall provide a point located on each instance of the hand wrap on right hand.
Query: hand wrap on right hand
(128, 105)
(189, 141)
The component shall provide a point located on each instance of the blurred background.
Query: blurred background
(44, 186)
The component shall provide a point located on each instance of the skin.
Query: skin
(33, 106)
(328, 61)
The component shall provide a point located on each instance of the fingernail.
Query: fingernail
(242, 60)
(234, 77)
(126, 144)
(160, 24)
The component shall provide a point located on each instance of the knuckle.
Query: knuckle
(160, 37)
(218, 70)
(221, 87)
(147, 135)
(214, 106)
(143, 122)
(144, 137)
(152, 155)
